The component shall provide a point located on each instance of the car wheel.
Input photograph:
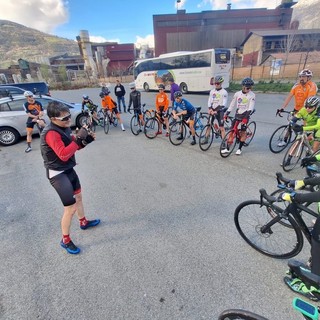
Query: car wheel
(8, 136)
(81, 120)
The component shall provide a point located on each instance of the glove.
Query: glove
(88, 139)
(280, 110)
(308, 161)
(296, 184)
(285, 196)
(297, 128)
(82, 133)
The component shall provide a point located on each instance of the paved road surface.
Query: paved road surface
(166, 248)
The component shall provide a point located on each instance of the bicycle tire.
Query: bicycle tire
(206, 137)
(106, 124)
(229, 142)
(250, 132)
(175, 130)
(284, 243)
(135, 125)
(281, 134)
(239, 314)
(288, 163)
(199, 124)
(151, 128)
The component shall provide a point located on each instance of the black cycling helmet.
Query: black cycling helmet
(106, 91)
(177, 94)
(218, 79)
(85, 97)
(161, 86)
(247, 82)
(312, 102)
(101, 94)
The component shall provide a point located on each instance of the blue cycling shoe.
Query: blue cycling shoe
(90, 223)
(70, 247)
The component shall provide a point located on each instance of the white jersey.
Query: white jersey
(243, 102)
(217, 98)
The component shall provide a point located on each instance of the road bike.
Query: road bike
(233, 137)
(283, 135)
(110, 118)
(273, 230)
(179, 128)
(212, 131)
(135, 122)
(306, 309)
(299, 149)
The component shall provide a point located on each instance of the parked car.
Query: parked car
(7, 91)
(35, 87)
(13, 117)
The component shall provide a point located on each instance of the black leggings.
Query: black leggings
(67, 184)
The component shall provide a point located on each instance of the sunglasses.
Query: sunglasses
(66, 118)
(30, 97)
(217, 83)
(247, 88)
(309, 107)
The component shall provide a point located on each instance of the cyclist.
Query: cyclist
(135, 101)
(162, 105)
(244, 101)
(34, 111)
(58, 148)
(297, 284)
(187, 110)
(109, 105)
(310, 113)
(90, 106)
(217, 101)
(301, 90)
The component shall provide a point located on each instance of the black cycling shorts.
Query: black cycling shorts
(67, 184)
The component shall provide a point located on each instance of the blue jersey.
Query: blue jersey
(184, 105)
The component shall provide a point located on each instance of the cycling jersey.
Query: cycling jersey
(312, 120)
(135, 99)
(217, 99)
(33, 108)
(162, 100)
(184, 105)
(244, 102)
(89, 105)
(108, 103)
(301, 93)
(173, 88)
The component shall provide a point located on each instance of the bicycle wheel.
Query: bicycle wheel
(135, 125)
(250, 131)
(276, 241)
(280, 139)
(199, 124)
(151, 128)
(293, 155)
(106, 124)
(228, 143)
(206, 137)
(239, 314)
(177, 133)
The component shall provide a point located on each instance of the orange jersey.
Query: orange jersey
(301, 93)
(162, 100)
(108, 103)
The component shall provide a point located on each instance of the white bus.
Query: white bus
(192, 71)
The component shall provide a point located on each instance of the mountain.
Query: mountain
(18, 41)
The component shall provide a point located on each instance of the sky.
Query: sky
(123, 21)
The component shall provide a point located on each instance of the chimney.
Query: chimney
(228, 6)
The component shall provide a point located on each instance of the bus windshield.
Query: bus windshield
(192, 71)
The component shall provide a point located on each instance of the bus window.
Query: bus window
(222, 56)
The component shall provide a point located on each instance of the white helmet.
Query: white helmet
(28, 94)
(132, 85)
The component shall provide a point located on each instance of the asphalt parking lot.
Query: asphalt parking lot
(167, 247)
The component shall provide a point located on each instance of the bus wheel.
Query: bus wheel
(183, 87)
(146, 87)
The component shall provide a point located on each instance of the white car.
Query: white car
(13, 117)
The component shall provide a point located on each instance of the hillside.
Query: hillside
(18, 41)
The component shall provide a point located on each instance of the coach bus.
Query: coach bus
(192, 71)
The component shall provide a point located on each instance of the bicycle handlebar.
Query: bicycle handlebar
(263, 194)
(279, 111)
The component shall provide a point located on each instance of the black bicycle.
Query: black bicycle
(283, 135)
(273, 230)
(135, 122)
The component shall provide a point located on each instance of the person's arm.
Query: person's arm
(123, 90)
(232, 104)
(252, 103)
(139, 100)
(313, 89)
(314, 127)
(53, 139)
(287, 100)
